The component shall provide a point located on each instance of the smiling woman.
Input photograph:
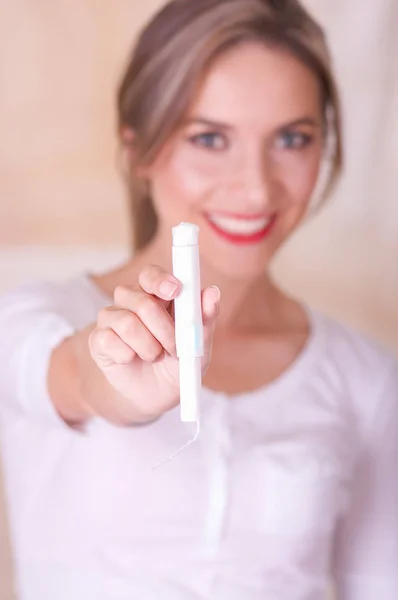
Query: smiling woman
(179, 64)
(244, 163)
(254, 186)
(226, 112)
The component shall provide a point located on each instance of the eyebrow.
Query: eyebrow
(219, 125)
(302, 121)
(208, 123)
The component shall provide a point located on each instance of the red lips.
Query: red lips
(242, 238)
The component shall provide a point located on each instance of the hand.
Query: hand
(133, 344)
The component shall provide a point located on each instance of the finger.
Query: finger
(210, 310)
(210, 305)
(156, 281)
(152, 313)
(133, 332)
(107, 348)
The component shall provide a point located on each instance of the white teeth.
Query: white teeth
(240, 226)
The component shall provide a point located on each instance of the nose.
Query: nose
(256, 180)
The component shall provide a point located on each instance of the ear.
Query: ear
(127, 136)
(127, 139)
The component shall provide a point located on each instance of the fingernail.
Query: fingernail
(216, 296)
(168, 289)
(216, 293)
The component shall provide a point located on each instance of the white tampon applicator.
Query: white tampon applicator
(188, 326)
(188, 318)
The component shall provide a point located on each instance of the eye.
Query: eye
(211, 141)
(292, 140)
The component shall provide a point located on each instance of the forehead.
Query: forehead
(255, 84)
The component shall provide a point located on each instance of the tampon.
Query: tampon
(188, 318)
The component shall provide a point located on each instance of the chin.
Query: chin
(235, 263)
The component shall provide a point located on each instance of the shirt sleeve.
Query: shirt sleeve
(31, 328)
(366, 552)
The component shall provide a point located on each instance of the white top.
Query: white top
(285, 487)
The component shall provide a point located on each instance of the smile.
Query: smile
(241, 229)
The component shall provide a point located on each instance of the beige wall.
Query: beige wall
(346, 261)
(60, 63)
(61, 203)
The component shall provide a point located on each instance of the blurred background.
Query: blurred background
(62, 205)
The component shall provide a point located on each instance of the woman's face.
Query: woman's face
(245, 163)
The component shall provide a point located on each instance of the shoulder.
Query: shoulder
(352, 350)
(364, 371)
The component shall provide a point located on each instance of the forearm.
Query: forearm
(65, 383)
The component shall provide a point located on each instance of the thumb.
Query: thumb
(210, 310)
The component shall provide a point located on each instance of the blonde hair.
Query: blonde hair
(172, 55)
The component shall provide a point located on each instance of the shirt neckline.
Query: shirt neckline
(295, 373)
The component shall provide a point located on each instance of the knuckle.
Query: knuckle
(120, 294)
(151, 351)
(147, 306)
(148, 273)
(105, 339)
(127, 326)
(100, 341)
(150, 277)
(127, 354)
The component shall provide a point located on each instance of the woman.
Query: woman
(228, 113)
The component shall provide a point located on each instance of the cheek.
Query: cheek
(300, 176)
(187, 178)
